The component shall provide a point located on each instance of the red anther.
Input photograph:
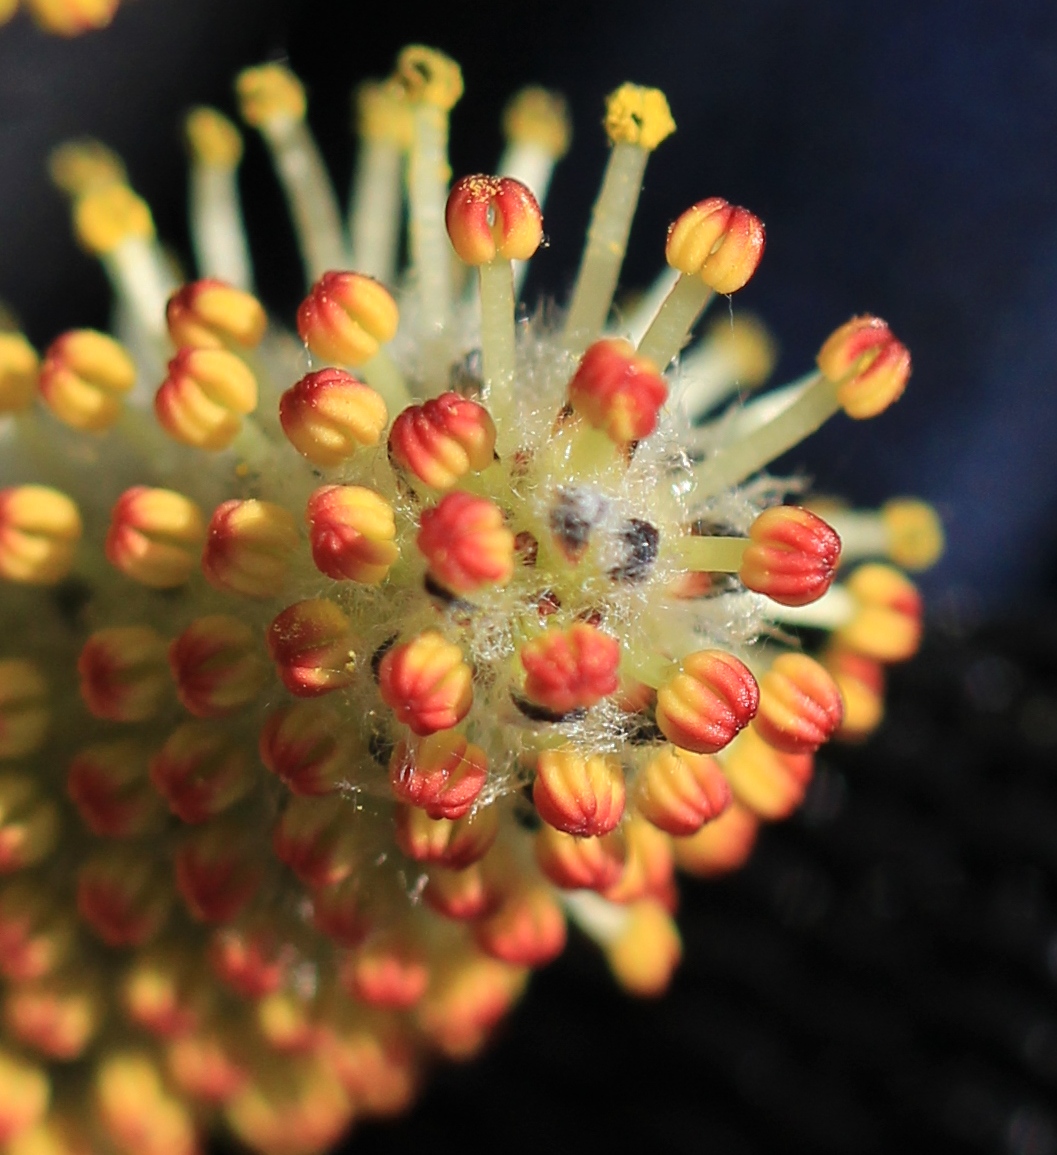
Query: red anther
(108, 784)
(441, 773)
(36, 932)
(579, 794)
(154, 536)
(427, 683)
(352, 531)
(200, 772)
(123, 896)
(887, 623)
(718, 242)
(491, 217)
(312, 647)
(800, 705)
(218, 872)
(867, 363)
(617, 391)
(204, 397)
(252, 960)
(466, 543)
(211, 314)
(679, 791)
(710, 699)
(649, 868)
(528, 929)
(464, 895)
(792, 558)
(209, 1065)
(123, 673)
(721, 845)
(580, 863)
(453, 843)
(347, 317)
(443, 439)
(318, 839)
(329, 414)
(249, 547)
(340, 912)
(216, 666)
(570, 669)
(771, 783)
(861, 682)
(644, 955)
(298, 743)
(390, 970)
(56, 1016)
(162, 992)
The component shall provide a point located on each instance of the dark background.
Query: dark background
(882, 976)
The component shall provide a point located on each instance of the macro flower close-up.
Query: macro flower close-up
(384, 617)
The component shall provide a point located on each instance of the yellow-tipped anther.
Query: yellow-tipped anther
(212, 138)
(429, 77)
(636, 115)
(7, 10)
(79, 166)
(107, 215)
(915, 533)
(749, 346)
(382, 113)
(84, 377)
(19, 366)
(29, 823)
(647, 951)
(536, 116)
(39, 531)
(269, 92)
(24, 712)
(24, 1095)
(72, 17)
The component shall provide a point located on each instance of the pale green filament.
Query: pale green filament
(428, 177)
(671, 326)
(217, 232)
(374, 217)
(497, 326)
(383, 375)
(709, 554)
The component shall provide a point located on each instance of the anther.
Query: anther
(442, 774)
(154, 536)
(329, 414)
(39, 531)
(298, 743)
(352, 532)
(210, 314)
(443, 439)
(617, 391)
(200, 772)
(800, 705)
(770, 782)
(19, 371)
(83, 378)
(427, 683)
(466, 543)
(123, 896)
(249, 547)
(707, 702)
(313, 649)
(579, 794)
(216, 666)
(25, 711)
(570, 669)
(108, 784)
(679, 791)
(451, 842)
(204, 397)
(792, 556)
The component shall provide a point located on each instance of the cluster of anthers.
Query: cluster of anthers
(339, 674)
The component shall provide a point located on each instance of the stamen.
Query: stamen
(579, 794)
(328, 415)
(736, 354)
(200, 772)
(154, 536)
(442, 774)
(427, 683)
(211, 314)
(39, 531)
(528, 929)
(19, 370)
(909, 532)
(204, 398)
(249, 548)
(72, 17)
(83, 378)
(24, 708)
(123, 673)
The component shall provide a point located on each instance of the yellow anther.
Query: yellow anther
(39, 531)
(636, 115)
(72, 17)
(29, 823)
(269, 92)
(107, 215)
(749, 346)
(382, 113)
(19, 366)
(536, 116)
(7, 10)
(212, 138)
(24, 710)
(915, 533)
(84, 376)
(78, 166)
(429, 77)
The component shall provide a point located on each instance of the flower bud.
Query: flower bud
(29, 822)
(269, 92)
(570, 669)
(867, 364)
(24, 709)
(340, 912)
(218, 871)
(579, 794)
(442, 774)
(575, 863)
(769, 782)
(914, 531)
(249, 547)
(57, 1016)
(24, 1095)
(203, 399)
(720, 846)
(123, 673)
(216, 666)
(618, 392)
(710, 699)
(443, 439)
(108, 784)
(36, 934)
(887, 623)
(108, 215)
(800, 705)
(792, 558)
(466, 543)
(427, 683)
(528, 929)
(39, 531)
(454, 843)
(536, 116)
(679, 791)
(210, 314)
(252, 960)
(347, 317)
(199, 772)
(298, 743)
(328, 415)
(718, 242)
(212, 140)
(318, 840)
(19, 371)
(352, 531)
(647, 950)
(860, 681)
(312, 647)
(490, 217)
(84, 377)
(639, 116)
(122, 895)
(154, 536)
